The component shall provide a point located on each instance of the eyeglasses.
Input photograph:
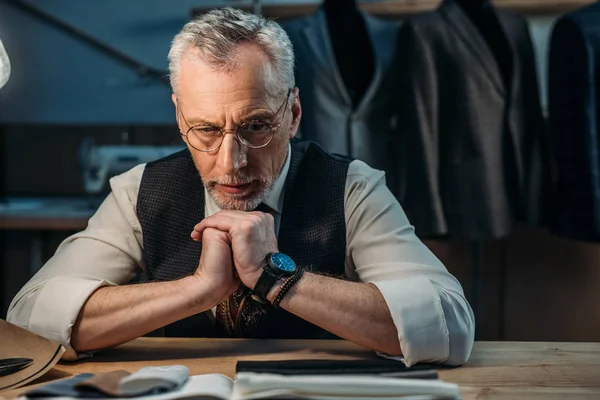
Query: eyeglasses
(253, 134)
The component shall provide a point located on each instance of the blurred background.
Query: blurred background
(88, 97)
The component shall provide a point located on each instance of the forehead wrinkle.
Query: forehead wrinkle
(242, 108)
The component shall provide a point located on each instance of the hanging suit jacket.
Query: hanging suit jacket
(574, 107)
(328, 116)
(471, 148)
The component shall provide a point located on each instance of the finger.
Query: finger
(239, 215)
(232, 213)
(228, 220)
(196, 236)
(225, 222)
(269, 218)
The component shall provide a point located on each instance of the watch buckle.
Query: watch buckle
(258, 299)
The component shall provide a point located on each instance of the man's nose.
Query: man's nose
(232, 154)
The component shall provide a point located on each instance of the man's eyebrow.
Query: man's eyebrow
(200, 121)
(258, 114)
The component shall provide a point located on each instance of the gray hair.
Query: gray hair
(216, 35)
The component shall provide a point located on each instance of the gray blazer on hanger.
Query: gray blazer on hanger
(327, 113)
(473, 149)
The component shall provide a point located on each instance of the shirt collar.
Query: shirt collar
(274, 199)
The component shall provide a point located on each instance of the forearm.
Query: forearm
(116, 314)
(354, 311)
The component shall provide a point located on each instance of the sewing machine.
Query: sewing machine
(100, 163)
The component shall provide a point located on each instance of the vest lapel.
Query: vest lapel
(379, 42)
(303, 218)
(317, 37)
(162, 200)
(472, 39)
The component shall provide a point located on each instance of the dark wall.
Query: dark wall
(58, 78)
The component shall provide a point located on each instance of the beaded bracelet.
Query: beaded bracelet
(287, 285)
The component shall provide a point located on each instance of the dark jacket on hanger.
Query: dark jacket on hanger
(471, 147)
(328, 116)
(574, 106)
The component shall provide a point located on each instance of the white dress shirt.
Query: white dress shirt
(434, 321)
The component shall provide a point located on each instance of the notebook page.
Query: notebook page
(250, 385)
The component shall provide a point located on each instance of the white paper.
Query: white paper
(147, 379)
(277, 394)
(249, 385)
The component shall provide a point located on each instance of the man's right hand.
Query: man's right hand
(116, 314)
(216, 267)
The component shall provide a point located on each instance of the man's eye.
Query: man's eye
(257, 127)
(207, 130)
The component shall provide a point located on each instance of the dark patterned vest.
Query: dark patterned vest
(312, 229)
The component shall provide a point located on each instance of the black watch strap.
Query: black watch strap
(287, 285)
(265, 283)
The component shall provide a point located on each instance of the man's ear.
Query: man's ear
(296, 112)
(174, 99)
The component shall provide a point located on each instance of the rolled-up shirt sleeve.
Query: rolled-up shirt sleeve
(434, 320)
(107, 252)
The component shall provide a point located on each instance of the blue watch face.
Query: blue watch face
(283, 262)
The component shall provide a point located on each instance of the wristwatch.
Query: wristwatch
(278, 265)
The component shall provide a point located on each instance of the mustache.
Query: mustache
(240, 178)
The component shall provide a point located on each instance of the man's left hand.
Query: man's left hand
(252, 238)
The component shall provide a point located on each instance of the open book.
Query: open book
(251, 386)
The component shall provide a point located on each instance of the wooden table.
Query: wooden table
(496, 370)
(47, 214)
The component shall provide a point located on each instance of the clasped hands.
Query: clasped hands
(234, 247)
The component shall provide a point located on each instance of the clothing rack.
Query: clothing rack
(398, 9)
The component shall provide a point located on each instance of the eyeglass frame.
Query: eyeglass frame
(237, 129)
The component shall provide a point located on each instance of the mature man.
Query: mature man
(330, 253)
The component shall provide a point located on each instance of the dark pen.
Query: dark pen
(12, 365)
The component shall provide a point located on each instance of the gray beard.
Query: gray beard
(228, 202)
(231, 203)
